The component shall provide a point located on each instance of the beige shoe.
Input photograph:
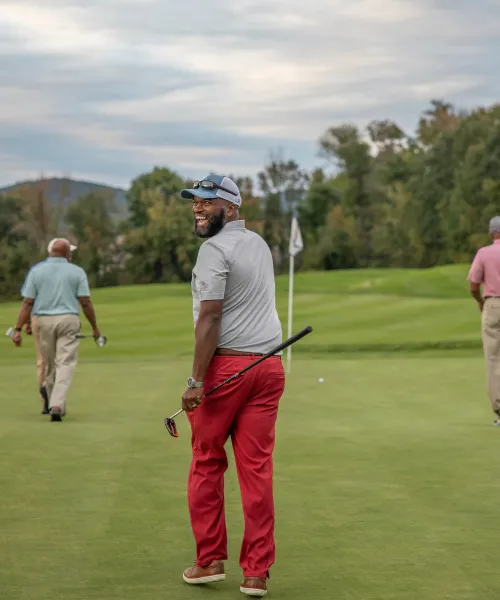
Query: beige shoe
(253, 586)
(209, 574)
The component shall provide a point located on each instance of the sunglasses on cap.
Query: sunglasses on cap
(206, 184)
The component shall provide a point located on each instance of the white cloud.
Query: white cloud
(444, 87)
(116, 85)
(385, 12)
(17, 109)
(53, 30)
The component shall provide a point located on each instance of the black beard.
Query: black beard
(214, 224)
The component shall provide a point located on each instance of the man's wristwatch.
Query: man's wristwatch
(18, 329)
(192, 383)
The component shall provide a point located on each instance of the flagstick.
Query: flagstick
(290, 308)
(295, 246)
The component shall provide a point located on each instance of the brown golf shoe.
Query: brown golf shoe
(253, 586)
(208, 574)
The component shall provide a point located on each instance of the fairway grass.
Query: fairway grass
(386, 474)
(386, 484)
(351, 311)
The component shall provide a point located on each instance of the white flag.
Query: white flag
(296, 244)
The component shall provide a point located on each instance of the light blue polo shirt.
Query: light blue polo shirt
(56, 285)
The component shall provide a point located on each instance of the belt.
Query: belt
(229, 352)
(488, 297)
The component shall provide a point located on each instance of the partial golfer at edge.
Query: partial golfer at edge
(53, 291)
(236, 321)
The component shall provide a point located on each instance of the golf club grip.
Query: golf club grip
(288, 342)
(282, 346)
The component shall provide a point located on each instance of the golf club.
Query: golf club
(100, 341)
(169, 421)
(10, 332)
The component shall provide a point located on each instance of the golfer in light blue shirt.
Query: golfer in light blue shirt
(53, 292)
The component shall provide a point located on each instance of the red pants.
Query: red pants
(245, 409)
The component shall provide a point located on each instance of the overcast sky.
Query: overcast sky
(106, 89)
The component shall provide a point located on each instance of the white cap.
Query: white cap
(52, 242)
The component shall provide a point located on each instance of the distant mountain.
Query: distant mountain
(68, 190)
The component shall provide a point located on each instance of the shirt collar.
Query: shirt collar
(57, 259)
(238, 225)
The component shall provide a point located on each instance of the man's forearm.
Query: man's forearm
(24, 314)
(88, 311)
(476, 294)
(207, 335)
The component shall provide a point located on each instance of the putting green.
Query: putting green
(386, 480)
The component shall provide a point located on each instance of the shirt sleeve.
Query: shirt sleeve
(476, 273)
(29, 288)
(83, 286)
(211, 272)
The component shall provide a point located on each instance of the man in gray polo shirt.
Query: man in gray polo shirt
(53, 292)
(235, 321)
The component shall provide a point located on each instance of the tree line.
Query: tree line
(393, 200)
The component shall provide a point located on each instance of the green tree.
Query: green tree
(274, 230)
(394, 242)
(283, 184)
(165, 249)
(38, 215)
(17, 251)
(283, 178)
(91, 223)
(251, 209)
(338, 243)
(386, 135)
(322, 195)
(160, 179)
(344, 145)
(440, 118)
(474, 195)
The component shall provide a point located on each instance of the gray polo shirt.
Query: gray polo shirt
(56, 286)
(236, 266)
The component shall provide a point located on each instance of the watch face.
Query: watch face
(193, 383)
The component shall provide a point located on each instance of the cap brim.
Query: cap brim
(72, 248)
(200, 193)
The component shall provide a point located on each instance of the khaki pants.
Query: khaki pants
(40, 365)
(59, 346)
(491, 347)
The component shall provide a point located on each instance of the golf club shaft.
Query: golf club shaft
(100, 341)
(177, 413)
(281, 346)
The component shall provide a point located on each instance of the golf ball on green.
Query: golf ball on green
(320, 380)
